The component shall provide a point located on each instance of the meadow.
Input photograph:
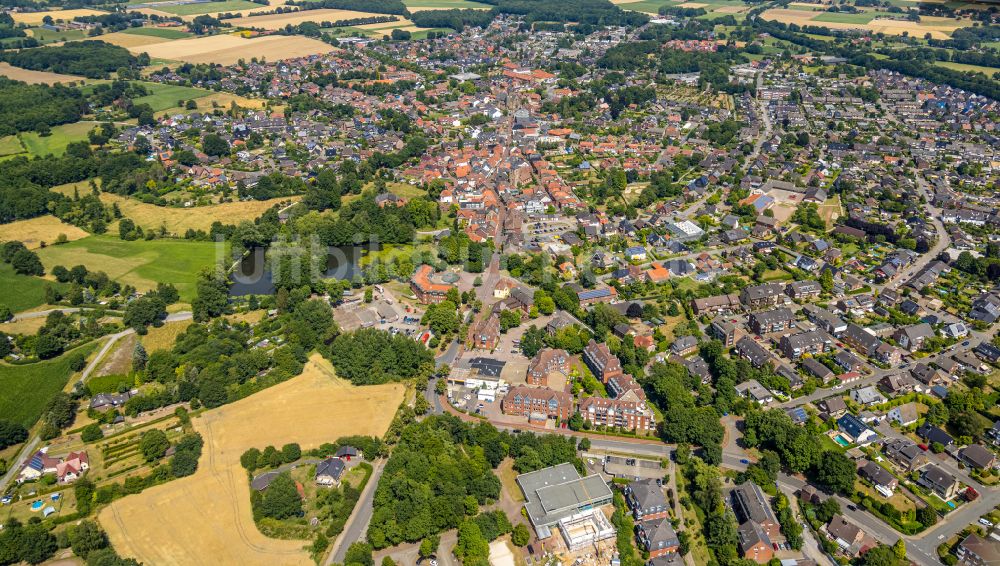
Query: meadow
(163, 337)
(27, 388)
(40, 229)
(179, 220)
(418, 5)
(141, 263)
(206, 518)
(164, 96)
(55, 143)
(938, 28)
(207, 7)
(50, 36)
(165, 33)
(10, 145)
(22, 292)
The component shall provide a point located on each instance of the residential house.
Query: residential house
(754, 544)
(855, 429)
(903, 415)
(724, 330)
(758, 524)
(904, 453)
(615, 413)
(329, 472)
(658, 538)
(933, 434)
(943, 484)
(545, 362)
(684, 345)
(646, 500)
(762, 296)
(880, 478)
(750, 350)
(776, 320)
(602, 363)
(817, 369)
(537, 403)
(811, 342)
(912, 337)
(978, 456)
(977, 551)
(484, 334)
(832, 407)
(717, 304)
(753, 390)
(847, 535)
(867, 396)
(803, 290)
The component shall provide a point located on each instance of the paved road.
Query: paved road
(357, 524)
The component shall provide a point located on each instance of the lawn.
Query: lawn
(142, 263)
(207, 7)
(27, 388)
(166, 33)
(166, 96)
(22, 292)
(49, 36)
(110, 383)
(56, 142)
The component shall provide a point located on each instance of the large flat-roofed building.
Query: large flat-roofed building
(558, 492)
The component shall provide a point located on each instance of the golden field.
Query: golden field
(229, 49)
(36, 77)
(40, 229)
(35, 18)
(206, 518)
(179, 220)
(939, 28)
(279, 21)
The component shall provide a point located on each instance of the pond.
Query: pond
(253, 276)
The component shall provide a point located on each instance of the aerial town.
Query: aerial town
(500, 282)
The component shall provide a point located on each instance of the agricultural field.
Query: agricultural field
(163, 337)
(39, 229)
(206, 518)
(421, 5)
(37, 77)
(988, 71)
(939, 28)
(197, 9)
(22, 292)
(229, 49)
(142, 264)
(163, 33)
(27, 388)
(55, 143)
(36, 18)
(279, 21)
(179, 220)
(49, 36)
(165, 96)
(132, 40)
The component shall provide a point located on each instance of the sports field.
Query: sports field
(36, 18)
(56, 142)
(179, 220)
(140, 263)
(27, 388)
(40, 229)
(206, 518)
(36, 77)
(228, 49)
(22, 292)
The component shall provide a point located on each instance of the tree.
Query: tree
(584, 444)
(26, 262)
(213, 295)
(521, 535)
(358, 553)
(388, 561)
(291, 452)
(281, 499)
(76, 361)
(139, 357)
(48, 346)
(153, 444)
(249, 459)
(144, 311)
(471, 544)
(899, 549)
(509, 319)
(836, 471)
(927, 516)
(91, 432)
(11, 433)
(428, 546)
(881, 555)
(215, 145)
(86, 538)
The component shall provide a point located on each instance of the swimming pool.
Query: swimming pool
(37, 505)
(839, 439)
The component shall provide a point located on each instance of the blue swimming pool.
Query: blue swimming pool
(37, 505)
(839, 439)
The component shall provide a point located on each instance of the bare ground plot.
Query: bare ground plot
(229, 49)
(36, 77)
(119, 361)
(939, 28)
(279, 21)
(41, 229)
(36, 18)
(206, 518)
(179, 220)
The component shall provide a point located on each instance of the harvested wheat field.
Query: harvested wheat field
(228, 49)
(279, 21)
(36, 77)
(730, 10)
(40, 229)
(403, 22)
(179, 220)
(206, 518)
(939, 28)
(129, 40)
(35, 18)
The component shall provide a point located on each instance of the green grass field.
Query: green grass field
(988, 71)
(10, 145)
(142, 263)
(56, 142)
(166, 96)
(207, 7)
(22, 292)
(27, 388)
(166, 33)
(648, 6)
(109, 383)
(49, 36)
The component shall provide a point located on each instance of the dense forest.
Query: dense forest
(91, 59)
(370, 356)
(25, 107)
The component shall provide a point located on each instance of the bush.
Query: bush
(91, 433)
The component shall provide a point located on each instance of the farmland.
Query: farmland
(206, 7)
(163, 33)
(56, 142)
(27, 388)
(166, 96)
(228, 49)
(36, 18)
(179, 220)
(165, 524)
(36, 77)
(39, 229)
(140, 263)
(939, 28)
(419, 5)
(21, 292)
(279, 21)
(49, 36)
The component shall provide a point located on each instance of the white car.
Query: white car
(985, 523)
